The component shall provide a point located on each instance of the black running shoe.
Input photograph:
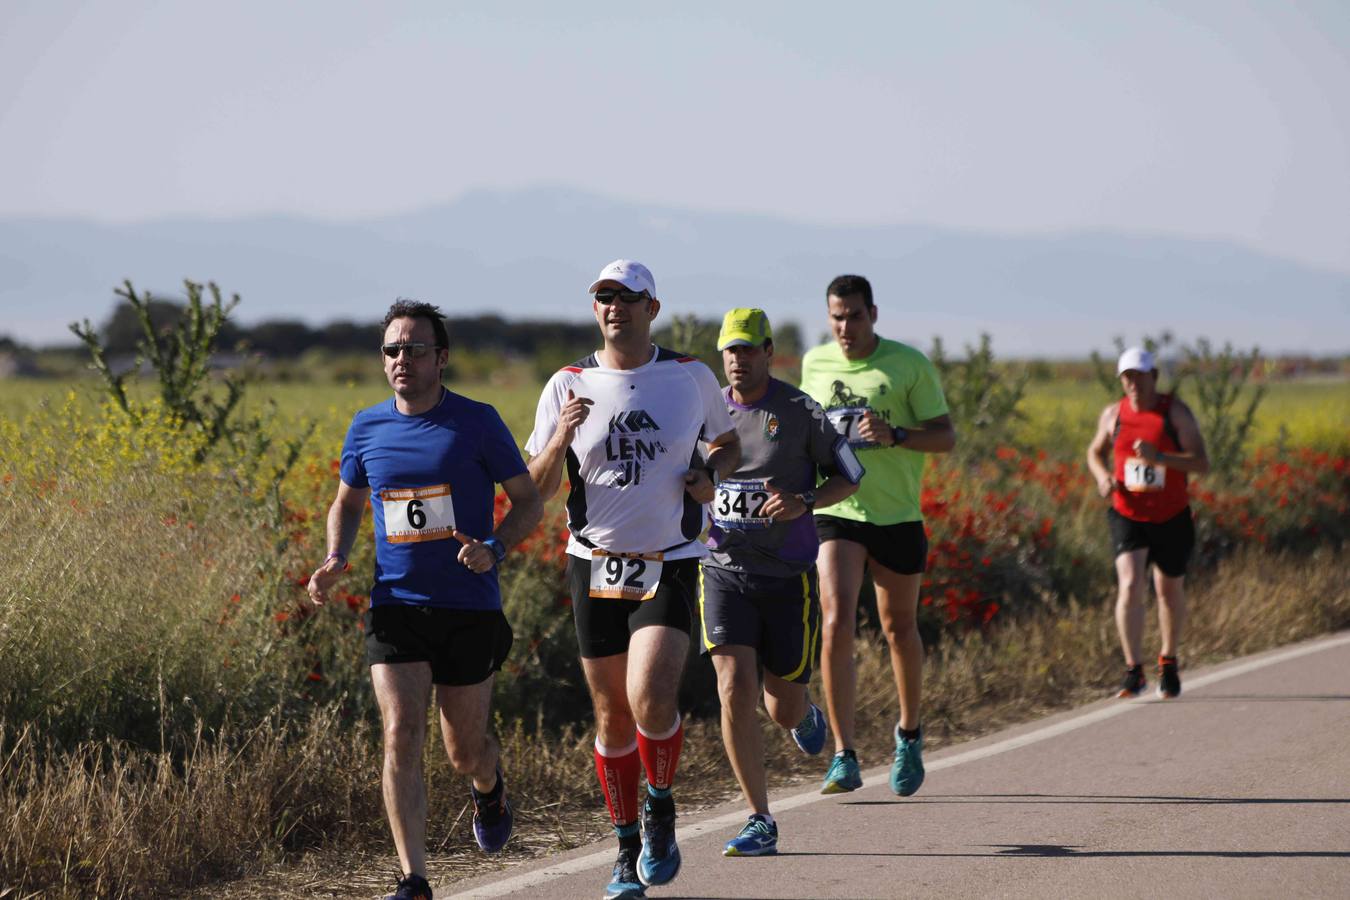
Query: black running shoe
(412, 887)
(1133, 684)
(1169, 683)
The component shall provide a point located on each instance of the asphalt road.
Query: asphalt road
(1238, 788)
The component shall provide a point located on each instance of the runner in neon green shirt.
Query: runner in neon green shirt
(885, 398)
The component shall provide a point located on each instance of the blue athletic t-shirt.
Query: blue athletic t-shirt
(428, 475)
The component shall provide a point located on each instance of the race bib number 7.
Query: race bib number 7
(625, 576)
(846, 420)
(1144, 477)
(417, 514)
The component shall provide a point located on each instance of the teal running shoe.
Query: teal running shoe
(759, 837)
(659, 861)
(809, 734)
(624, 885)
(907, 767)
(843, 775)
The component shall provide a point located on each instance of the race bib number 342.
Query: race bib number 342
(417, 514)
(625, 576)
(740, 505)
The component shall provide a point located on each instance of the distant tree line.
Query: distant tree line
(290, 337)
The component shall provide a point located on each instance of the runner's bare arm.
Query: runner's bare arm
(724, 453)
(935, 435)
(784, 506)
(344, 519)
(724, 456)
(527, 508)
(546, 468)
(1192, 456)
(1099, 449)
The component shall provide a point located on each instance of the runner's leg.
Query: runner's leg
(897, 607)
(1171, 609)
(840, 564)
(402, 691)
(464, 720)
(656, 655)
(616, 732)
(1132, 584)
(785, 700)
(738, 688)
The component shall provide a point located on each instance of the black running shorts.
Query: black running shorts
(902, 547)
(463, 646)
(1169, 543)
(778, 616)
(604, 625)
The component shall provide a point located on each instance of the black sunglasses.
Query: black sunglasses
(609, 295)
(416, 349)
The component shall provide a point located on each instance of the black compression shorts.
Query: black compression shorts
(902, 548)
(604, 626)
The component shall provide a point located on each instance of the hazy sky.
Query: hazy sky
(1224, 119)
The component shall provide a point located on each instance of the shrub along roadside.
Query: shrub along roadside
(102, 819)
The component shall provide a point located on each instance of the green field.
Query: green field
(1057, 416)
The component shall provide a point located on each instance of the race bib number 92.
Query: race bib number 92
(625, 576)
(417, 514)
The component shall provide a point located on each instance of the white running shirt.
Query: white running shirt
(627, 461)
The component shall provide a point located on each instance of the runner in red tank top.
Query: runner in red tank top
(1146, 444)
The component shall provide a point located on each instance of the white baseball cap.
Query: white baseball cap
(632, 275)
(1136, 358)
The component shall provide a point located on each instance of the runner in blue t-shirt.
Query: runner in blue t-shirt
(426, 461)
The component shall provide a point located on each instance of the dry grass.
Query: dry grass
(98, 823)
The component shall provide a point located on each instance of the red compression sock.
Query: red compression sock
(618, 774)
(660, 753)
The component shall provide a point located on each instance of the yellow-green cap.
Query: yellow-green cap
(744, 326)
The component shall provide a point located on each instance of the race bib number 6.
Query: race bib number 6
(625, 576)
(846, 420)
(739, 505)
(417, 514)
(1144, 477)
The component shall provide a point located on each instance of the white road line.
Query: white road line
(604, 859)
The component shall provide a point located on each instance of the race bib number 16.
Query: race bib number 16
(1143, 477)
(625, 576)
(417, 514)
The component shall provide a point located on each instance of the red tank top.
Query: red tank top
(1150, 493)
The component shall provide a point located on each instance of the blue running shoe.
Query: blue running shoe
(843, 775)
(907, 767)
(624, 884)
(659, 861)
(810, 731)
(759, 837)
(492, 818)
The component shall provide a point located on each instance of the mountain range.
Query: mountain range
(531, 253)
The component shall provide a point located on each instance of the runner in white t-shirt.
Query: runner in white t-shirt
(627, 422)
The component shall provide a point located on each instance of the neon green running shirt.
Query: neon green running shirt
(899, 384)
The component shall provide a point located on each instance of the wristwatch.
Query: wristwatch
(808, 498)
(497, 547)
(899, 434)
